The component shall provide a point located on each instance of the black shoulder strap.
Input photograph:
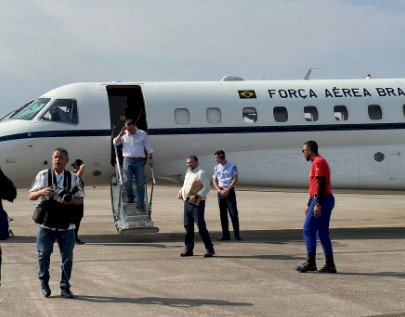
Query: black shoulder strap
(50, 179)
(67, 180)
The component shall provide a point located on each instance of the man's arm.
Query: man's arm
(205, 185)
(149, 150)
(48, 191)
(321, 189)
(118, 139)
(80, 170)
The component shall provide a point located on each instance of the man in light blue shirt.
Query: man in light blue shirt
(224, 180)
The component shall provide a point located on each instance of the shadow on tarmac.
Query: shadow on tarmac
(172, 302)
(376, 274)
(249, 236)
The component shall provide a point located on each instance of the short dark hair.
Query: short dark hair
(130, 121)
(312, 146)
(195, 158)
(77, 163)
(63, 150)
(220, 153)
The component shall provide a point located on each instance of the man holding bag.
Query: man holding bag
(194, 192)
(62, 190)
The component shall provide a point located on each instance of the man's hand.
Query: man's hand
(179, 195)
(46, 192)
(191, 199)
(317, 211)
(225, 192)
(150, 162)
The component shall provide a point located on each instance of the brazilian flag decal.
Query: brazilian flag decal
(246, 94)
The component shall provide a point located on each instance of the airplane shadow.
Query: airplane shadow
(376, 274)
(171, 302)
(249, 236)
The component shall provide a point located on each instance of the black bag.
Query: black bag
(7, 188)
(4, 233)
(39, 213)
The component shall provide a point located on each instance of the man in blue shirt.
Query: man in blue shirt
(224, 180)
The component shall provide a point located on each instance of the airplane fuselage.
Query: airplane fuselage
(261, 125)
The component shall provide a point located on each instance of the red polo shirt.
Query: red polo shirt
(319, 167)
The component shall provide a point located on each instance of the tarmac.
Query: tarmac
(143, 275)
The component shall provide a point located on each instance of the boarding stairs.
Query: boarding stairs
(127, 218)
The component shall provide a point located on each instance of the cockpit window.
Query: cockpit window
(63, 111)
(30, 110)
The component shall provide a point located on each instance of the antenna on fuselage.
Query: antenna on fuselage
(309, 73)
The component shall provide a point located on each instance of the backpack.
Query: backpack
(7, 188)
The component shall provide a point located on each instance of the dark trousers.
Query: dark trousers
(320, 225)
(66, 241)
(193, 213)
(228, 204)
(80, 212)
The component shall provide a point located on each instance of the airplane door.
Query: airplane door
(126, 102)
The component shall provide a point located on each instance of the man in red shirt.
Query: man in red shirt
(318, 211)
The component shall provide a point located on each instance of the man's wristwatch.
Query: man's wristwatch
(317, 204)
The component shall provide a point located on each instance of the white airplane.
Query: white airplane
(261, 125)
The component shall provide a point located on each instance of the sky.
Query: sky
(47, 43)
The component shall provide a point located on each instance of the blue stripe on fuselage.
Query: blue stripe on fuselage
(212, 130)
(281, 128)
(55, 134)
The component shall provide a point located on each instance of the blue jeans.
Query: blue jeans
(228, 204)
(66, 242)
(135, 168)
(320, 225)
(193, 213)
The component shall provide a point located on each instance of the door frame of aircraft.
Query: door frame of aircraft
(125, 102)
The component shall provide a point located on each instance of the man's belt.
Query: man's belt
(134, 158)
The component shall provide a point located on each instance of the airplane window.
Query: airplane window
(310, 113)
(63, 111)
(341, 113)
(374, 112)
(403, 110)
(280, 114)
(30, 110)
(213, 115)
(249, 114)
(182, 116)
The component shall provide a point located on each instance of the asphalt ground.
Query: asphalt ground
(143, 275)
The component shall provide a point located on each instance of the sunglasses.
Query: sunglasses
(303, 150)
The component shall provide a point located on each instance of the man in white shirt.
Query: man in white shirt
(194, 193)
(53, 186)
(135, 143)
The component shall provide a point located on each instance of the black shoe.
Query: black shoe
(210, 253)
(45, 290)
(306, 267)
(186, 253)
(329, 266)
(140, 208)
(238, 238)
(224, 238)
(66, 293)
(78, 241)
(130, 201)
(327, 269)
